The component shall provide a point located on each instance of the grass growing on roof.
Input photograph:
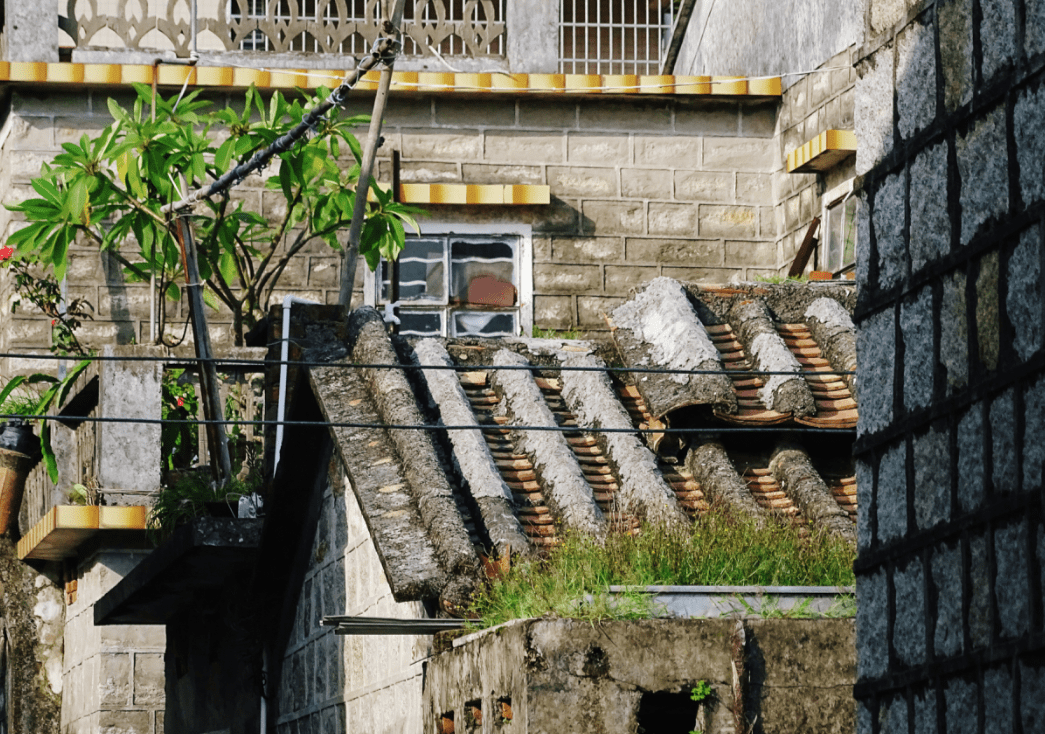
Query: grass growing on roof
(720, 549)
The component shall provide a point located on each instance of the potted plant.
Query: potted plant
(19, 454)
(20, 448)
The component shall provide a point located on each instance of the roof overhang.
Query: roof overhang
(65, 73)
(66, 528)
(825, 151)
(196, 561)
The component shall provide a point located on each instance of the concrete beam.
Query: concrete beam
(30, 31)
(532, 36)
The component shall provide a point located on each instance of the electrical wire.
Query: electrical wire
(485, 427)
(424, 86)
(246, 363)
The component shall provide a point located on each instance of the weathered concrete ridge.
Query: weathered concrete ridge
(591, 397)
(426, 478)
(568, 491)
(471, 452)
(660, 327)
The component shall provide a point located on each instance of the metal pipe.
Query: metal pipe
(366, 169)
(284, 353)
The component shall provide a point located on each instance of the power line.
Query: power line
(427, 86)
(246, 363)
(485, 427)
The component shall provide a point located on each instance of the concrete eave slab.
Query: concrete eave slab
(196, 561)
(825, 151)
(65, 73)
(64, 530)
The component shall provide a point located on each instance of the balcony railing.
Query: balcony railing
(350, 27)
(613, 36)
(160, 455)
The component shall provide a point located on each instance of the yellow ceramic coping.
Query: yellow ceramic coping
(66, 527)
(405, 81)
(473, 194)
(822, 152)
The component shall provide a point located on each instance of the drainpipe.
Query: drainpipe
(284, 353)
(263, 728)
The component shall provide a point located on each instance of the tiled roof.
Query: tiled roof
(465, 493)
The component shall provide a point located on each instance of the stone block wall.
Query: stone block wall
(640, 188)
(113, 677)
(37, 126)
(332, 683)
(822, 100)
(951, 316)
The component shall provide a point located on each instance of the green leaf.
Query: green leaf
(227, 267)
(211, 300)
(173, 292)
(224, 154)
(13, 383)
(286, 179)
(70, 378)
(50, 462)
(118, 113)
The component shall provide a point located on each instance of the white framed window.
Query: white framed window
(460, 280)
(838, 230)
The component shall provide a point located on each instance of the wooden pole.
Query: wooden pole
(213, 410)
(366, 168)
(393, 266)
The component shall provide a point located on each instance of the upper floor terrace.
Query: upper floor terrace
(518, 36)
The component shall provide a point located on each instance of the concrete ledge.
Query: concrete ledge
(402, 81)
(693, 602)
(825, 151)
(196, 561)
(63, 530)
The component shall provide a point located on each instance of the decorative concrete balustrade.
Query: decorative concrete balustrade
(464, 27)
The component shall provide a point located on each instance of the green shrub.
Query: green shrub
(719, 549)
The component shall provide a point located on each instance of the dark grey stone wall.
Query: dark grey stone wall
(950, 114)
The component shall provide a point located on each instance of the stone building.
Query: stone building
(952, 547)
(368, 522)
(593, 176)
(640, 176)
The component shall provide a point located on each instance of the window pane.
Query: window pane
(849, 245)
(421, 272)
(420, 323)
(484, 323)
(483, 273)
(834, 245)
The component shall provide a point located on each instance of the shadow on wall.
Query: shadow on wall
(119, 313)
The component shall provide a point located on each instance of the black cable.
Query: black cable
(423, 427)
(245, 363)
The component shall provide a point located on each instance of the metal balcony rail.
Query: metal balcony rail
(613, 36)
(349, 27)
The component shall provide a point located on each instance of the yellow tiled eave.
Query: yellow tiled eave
(404, 81)
(66, 527)
(480, 194)
(822, 152)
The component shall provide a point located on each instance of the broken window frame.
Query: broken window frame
(836, 204)
(448, 311)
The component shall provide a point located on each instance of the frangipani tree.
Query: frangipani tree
(111, 191)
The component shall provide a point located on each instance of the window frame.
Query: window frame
(836, 197)
(524, 269)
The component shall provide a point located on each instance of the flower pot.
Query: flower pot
(19, 453)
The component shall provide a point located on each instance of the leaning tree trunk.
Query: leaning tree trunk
(33, 613)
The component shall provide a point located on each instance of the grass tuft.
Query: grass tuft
(719, 549)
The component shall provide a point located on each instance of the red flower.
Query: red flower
(54, 321)
(6, 252)
(181, 402)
